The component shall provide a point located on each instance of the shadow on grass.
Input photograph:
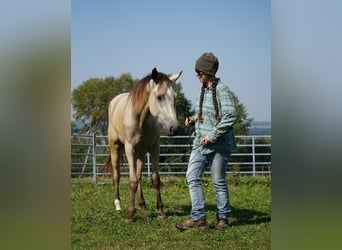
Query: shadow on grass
(248, 217)
(240, 216)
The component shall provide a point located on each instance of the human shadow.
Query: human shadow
(245, 216)
(240, 216)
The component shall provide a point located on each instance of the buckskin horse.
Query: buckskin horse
(134, 121)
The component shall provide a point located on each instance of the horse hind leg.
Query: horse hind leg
(115, 162)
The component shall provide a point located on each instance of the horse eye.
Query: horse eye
(160, 97)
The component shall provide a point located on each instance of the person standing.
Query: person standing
(214, 141)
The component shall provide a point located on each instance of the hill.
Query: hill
(261, 128)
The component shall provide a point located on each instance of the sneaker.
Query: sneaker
(222, 224)
(201, 224)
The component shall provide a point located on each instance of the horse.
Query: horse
(134, 121)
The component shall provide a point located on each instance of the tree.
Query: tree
(91, 99)
(183, 107)
(242, 124)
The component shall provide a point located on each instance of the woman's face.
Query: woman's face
(202, 77)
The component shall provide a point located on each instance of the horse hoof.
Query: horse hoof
(117, 205)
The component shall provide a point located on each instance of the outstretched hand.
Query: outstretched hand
(189, 121)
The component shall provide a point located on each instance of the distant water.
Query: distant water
(260, 128)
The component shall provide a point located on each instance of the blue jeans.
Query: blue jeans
(197, 164)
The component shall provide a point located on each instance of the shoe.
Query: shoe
(222, 224)
(201, 224)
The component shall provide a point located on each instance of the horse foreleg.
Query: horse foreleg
(156, 183)
(133, 181)
(133, 185)
(141, 199)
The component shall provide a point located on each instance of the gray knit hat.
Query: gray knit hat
(207, 63)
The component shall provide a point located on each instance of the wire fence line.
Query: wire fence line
(89, 153)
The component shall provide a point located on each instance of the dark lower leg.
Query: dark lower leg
(156, 185)
(131, 210)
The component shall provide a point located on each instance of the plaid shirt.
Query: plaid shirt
(220, 134)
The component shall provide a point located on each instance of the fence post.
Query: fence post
(253, 153)
(148, 166)
(94, 159)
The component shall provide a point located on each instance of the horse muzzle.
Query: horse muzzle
(169, 126)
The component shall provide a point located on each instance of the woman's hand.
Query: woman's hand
(189, 121)
(205, 140)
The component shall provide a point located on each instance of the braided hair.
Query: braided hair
(200, 117)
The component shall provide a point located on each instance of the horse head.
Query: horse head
(162, 100)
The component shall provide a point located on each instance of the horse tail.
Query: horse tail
(108, 167)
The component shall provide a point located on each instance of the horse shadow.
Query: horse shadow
(240, 216)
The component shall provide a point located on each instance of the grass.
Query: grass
(96, 224)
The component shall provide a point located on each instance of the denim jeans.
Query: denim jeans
(197, 165)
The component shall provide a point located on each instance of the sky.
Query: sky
(110, 38)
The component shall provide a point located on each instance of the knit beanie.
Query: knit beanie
(207, 63)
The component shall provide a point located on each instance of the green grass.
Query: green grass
(96, 224)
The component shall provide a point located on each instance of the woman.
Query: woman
(214, 142)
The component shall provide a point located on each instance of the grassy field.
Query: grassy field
(96, 224)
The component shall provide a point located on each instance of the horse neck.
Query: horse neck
(145, 112)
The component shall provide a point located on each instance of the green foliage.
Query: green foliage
(96, 224)
(90, 100)
(183, 107)
(242, 124)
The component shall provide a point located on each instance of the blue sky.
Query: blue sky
(109, 38)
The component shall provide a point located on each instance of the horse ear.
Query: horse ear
(154, 75)
(174, 78)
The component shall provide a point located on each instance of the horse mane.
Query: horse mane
(140, 92)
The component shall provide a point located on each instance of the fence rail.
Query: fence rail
(89, 154)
